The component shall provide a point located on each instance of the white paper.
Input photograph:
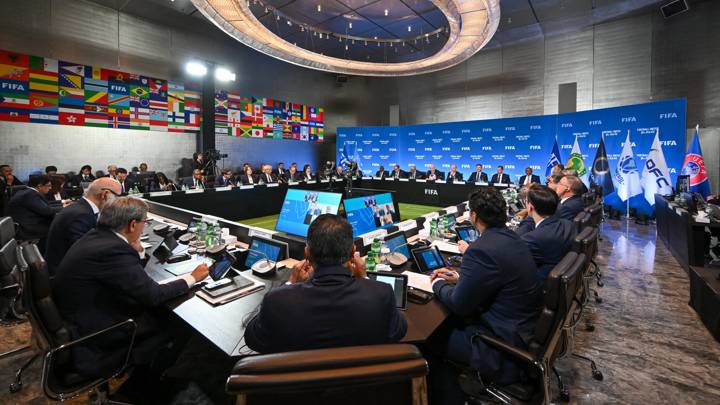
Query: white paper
(257, 232)
(187, 266)
(226, 188)
(447, 247)
(247, 186)
(451, 209)
(419, 281)
(293, 183)
(194, 191)
(480, 183)
(420, 180)
(311, 182)
(160, 193)
(404, 179)
(325, 181)
(272, 184)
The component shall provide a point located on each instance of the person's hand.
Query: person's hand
(200, 272)
(137, 245)
(300, 272)
(522, 213)
(443, 273)
(462, 246)
(357, 266)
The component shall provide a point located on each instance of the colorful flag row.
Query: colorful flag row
(254, 117)
(44, 90)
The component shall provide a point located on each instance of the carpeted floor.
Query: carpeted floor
(407, 211)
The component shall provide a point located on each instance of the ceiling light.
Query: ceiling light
(350, 25)
(386, 12)
(224, 75)
(409, 28)
(195, 68)
(319, 8)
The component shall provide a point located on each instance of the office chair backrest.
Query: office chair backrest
(553, 311)
(581, 220)
(7, 230)
(48, 326)
(589, 243)
(595, 212)
(334, 371)
(571, 280)
(577, 245)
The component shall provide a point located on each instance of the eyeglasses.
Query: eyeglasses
(111, 191)
(142, 220)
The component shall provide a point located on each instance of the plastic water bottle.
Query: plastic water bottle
(384, 252)
(433, 229)
(200, 234)
(209, 234)
(136, 190)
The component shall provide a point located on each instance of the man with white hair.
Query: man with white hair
(77, 219)
(101, 281)
(112, 172)
(267, 175)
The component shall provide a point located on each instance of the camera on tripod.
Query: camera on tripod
(214, 154)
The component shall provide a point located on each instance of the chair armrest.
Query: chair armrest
(505, 347)
(10, 287)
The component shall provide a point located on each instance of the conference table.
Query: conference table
(224, 325)
(245, 202)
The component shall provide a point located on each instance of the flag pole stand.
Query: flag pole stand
(627, 209)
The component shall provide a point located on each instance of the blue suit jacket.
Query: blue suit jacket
(570, 208)
(102, 281)
(549, 243)
(331, 309)
(499, 289)
(69, 225)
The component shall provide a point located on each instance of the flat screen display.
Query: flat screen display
(272, 250)
(371, 212)
(301, 207)
(396, 242)
(398, 282)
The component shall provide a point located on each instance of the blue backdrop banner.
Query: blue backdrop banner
(517, 143)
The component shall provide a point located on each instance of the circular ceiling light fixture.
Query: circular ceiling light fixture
(470, 26)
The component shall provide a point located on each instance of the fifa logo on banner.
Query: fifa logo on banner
(446, 149)
(375, 150)
(392, 150)
(411, 149)
(431, 191)
(511, 167)
(566, 125)
(595, 122)
(535, 147)
(509, 147)
(464, 131)
(668, 143)
(359, 149)
(12, 86)
(375, 134)
(487, 129)
(535, 126)
(446, 132)
(428, 149)
(464, 166)
(666, 116)
(359, 135)
(411, 133)
(510, 128)
(465, 148)
(428, 132)
(593, 145)
(628, 119)
(393, 134)
(535, 167)
(487, 148)
(564, 146)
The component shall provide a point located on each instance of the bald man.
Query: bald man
(77, 219)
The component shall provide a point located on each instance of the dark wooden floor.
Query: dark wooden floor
(649, 344)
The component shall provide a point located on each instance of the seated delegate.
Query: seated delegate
(328, 302)
(496, 292)
(32, 211)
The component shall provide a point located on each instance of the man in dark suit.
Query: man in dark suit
(569, 190)
(77, 219)
(267, 175)
(329, 302)
(292, 174)
(280, 173)
(338, 174)
(85, 176)
(453, 175)
(433, 174)
(529, 178)
(414, 174)
(500, 177)
(552, 237)
(227, 179)
(126, 183)
(32, 211)
(7, 177)
(397, 173)
(199, 161)
(496, 292)
(478, 176)
(382, 173)
(196, 181)
(101, 281)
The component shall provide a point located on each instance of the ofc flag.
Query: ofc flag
(694, 166)
(655, 175)
(626, 173)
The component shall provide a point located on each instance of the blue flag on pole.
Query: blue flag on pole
(694, 166)
(554, 158)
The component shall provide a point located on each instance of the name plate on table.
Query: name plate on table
(226, 188)
(432, 215)
(160, 193)
(451, 209)
(293, 183)
(272, 184)
(369, 237)
(194, 191)
(421, 180)
(247, 186)
(501, 185)
(390, 178)
(311, 182)
(367, 177)
(376, 178)
(325, 181)
(404, 179)
(257, 232)
(480, 183)
(407, 225)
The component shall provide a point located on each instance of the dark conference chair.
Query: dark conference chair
(59, 379)
(548, 342)
(380, 374)
(581, 221)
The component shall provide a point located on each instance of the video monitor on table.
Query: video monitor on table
(371, 212)
(301, 207)
(261, 248)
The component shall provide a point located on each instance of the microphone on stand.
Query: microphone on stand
(262, 267)
(395, 258)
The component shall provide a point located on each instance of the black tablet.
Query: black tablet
(428, 258)
(466, 233)
(222, 266)
(398, 282)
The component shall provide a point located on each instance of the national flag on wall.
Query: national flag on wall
(627, 177)
(554, 159)
(577, 163)
(655, 175)
(601, 169)
(694, 166)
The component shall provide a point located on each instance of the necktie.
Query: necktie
(195, 183)
(122, 188)
(527, 179)
(268, 177)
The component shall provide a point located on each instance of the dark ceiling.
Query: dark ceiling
(521, 20)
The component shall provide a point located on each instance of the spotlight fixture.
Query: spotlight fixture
(386, 12)
(224, 75)
(195, 68)
(319, 8)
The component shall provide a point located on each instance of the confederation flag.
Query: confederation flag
(601, 169)
(655, 175)
(627, 177)
(577, 163)
(694, 166)
(555, 159)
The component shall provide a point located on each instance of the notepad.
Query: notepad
(187, 266)
(419, 281)
(446, 247)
